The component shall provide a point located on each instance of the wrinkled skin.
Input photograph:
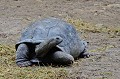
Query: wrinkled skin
(49, 41)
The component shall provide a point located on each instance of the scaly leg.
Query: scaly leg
(22, 58)
(83, 53)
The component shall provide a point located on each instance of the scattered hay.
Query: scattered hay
(102, 49)
(98, 28)
(9, 70)
(6, 49)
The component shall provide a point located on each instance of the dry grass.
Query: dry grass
(98, 28)
(9, 70)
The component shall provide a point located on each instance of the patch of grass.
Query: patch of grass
(98, 28)
(102, 49)
(107, 73)
(9, 70)
(14, 72)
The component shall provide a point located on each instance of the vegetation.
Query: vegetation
(98, 28)
(9, 70)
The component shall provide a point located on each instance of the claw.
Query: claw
(85, 55)
(24, 64)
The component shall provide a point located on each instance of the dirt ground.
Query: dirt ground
(105, 60)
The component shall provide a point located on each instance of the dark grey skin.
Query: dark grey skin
(49, 41)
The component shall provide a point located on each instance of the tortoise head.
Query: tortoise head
(55, 40)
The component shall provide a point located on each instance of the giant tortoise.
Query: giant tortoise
(49, 40)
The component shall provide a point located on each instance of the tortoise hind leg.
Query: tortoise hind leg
(83, 53)
(22, 56)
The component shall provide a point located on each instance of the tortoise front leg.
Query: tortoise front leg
(62, 58)
(22, 59)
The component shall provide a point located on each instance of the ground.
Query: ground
(98, 21)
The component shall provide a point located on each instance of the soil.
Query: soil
(104, 63)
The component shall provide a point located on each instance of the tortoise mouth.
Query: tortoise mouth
(54, 49)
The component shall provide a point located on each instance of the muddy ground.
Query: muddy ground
(105, 49)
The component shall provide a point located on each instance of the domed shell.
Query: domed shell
(50, 27)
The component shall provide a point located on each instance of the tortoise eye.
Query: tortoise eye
(57, 38)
